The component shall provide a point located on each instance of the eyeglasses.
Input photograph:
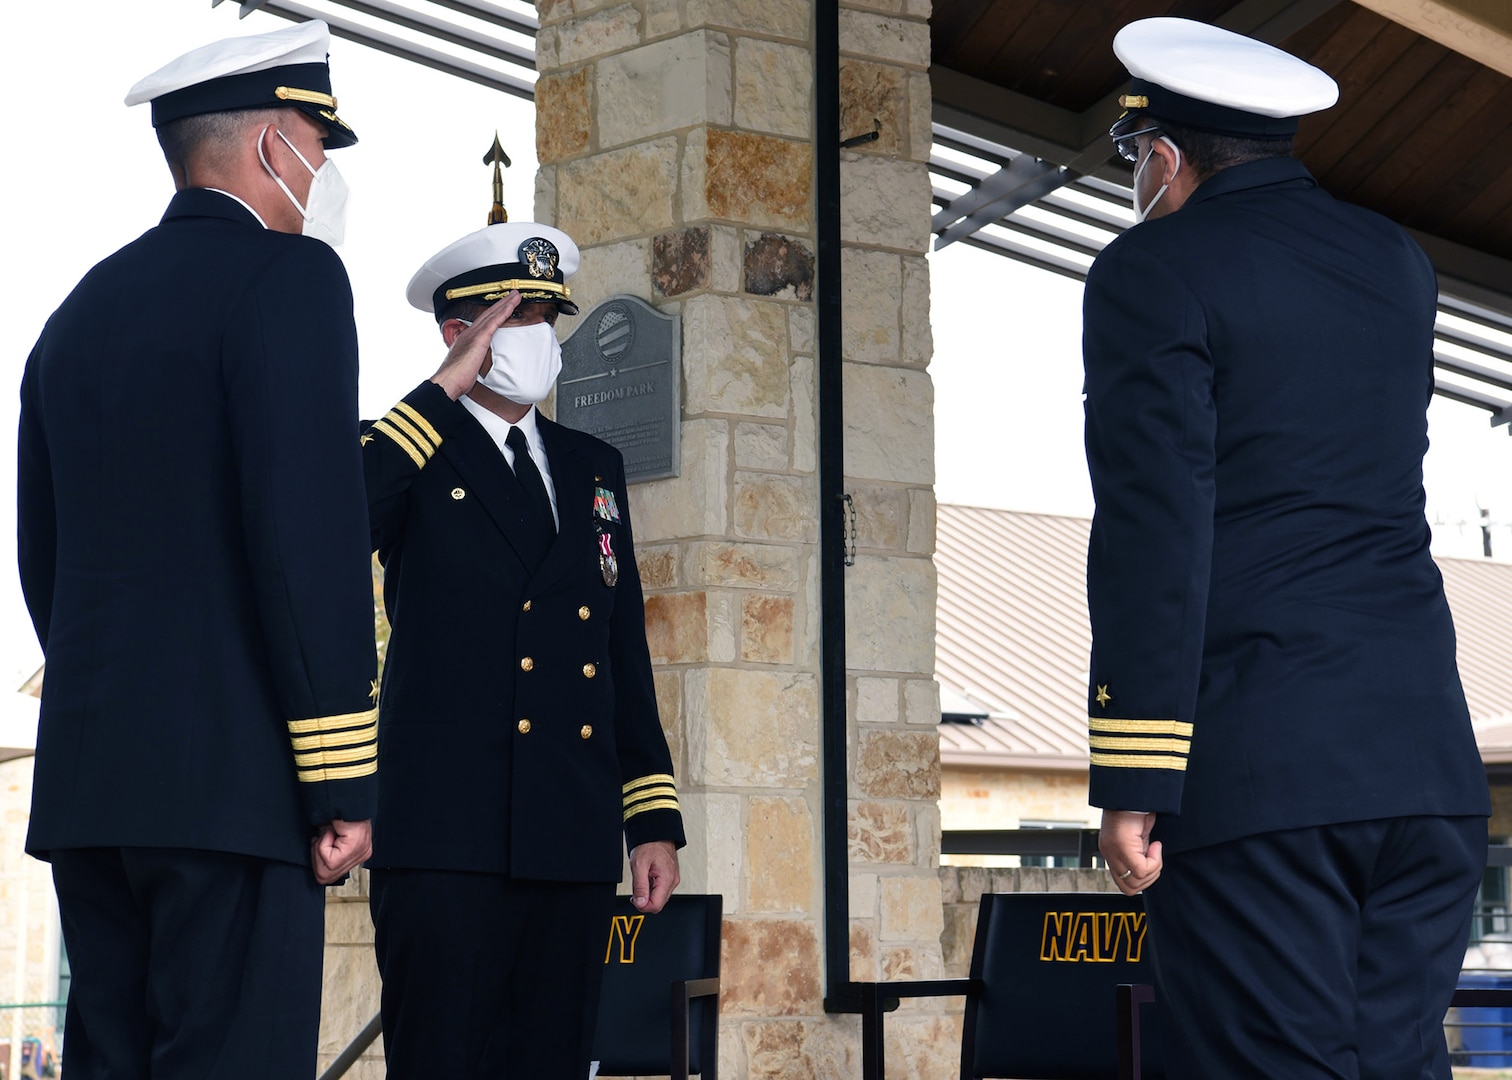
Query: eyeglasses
(1125, 143)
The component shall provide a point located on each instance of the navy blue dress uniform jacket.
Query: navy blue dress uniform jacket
(518, 727)
(192, 547)
(1271, 644)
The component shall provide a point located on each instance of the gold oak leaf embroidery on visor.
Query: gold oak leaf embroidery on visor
(654, 792)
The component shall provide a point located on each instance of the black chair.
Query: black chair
(659, 1009)
(1051, 993)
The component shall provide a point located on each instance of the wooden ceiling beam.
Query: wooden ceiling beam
(1478, 29)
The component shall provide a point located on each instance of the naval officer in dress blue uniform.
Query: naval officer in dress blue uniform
(1278, 733)
(193, 551)
(518, 722)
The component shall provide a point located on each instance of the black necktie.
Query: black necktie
(537, 522)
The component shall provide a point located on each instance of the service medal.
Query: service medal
(604, 506)
(608, 564)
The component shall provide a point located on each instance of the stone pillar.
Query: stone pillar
(675, 140)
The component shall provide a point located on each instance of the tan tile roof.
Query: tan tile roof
(1012, 639)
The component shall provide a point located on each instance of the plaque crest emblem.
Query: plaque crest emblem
(540, 257)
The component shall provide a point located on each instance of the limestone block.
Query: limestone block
(879, 515)
(566, 101)
(731, 1049)
(348, 923)
(775, 18)
(892, 7)
(680, 261)
(779, 266)
(761, 446)
(547, 53)
(714, 860)
(884, 202)
(657, 564)
(803, 392)
(677, 627)
(879, 832)
(610, 269)
(770, 967)
(876, 700)
(920, 104)
(873, 97)
(898, 40)
(727, 256)
(889, 614)
(671, 84)
(921, 702)
(780, 855)
(747, 566)
(605, 31)
(755, 729)
(870, 296)
(921, 521)
(773, 88)
(695, 502)
(897, 764)
(974, 882)
(669, 706)
(801, 1049)
(919, 9)
(902, 962)
(735, 356)
(771, 507)
(865, 956)
(368, 1067)
(863, 894)
(617, 194)
(957, 937)
(546, 194)
(918, 341)
(801, 329)
(760, 180)
(551, 12)
(1028, 879)
(662, 17)
(354, 888)
(811, 606)
(926, 830)
(910, 908)
(922, 1045)
(889, 424)
(724, 623)
(349, 994)
(766, 629)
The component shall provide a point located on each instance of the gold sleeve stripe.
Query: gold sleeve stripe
(336, 738)
(404, 443)
(333, 723)
(1141, 727)
(345, 772)
(647, 781)
(664, 792)
(1140, 761)
(316, 758)
(420, 422)
(659, 804)
(424, 445)
(1114, 742)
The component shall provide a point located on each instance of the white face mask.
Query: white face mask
(325, 212)
(526, 362)
(1141, 212)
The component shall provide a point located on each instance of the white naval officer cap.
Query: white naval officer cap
(1214, 80)
(485, 265)
(282, 68)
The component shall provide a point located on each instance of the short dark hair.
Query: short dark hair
(466, 310)
(1208, 152)
(188, 136)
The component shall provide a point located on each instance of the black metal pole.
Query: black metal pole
(840, 994)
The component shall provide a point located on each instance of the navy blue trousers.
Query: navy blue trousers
(1323, 952)
(486, 977)
(189, 965)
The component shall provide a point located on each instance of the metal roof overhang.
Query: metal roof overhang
(1011, 174)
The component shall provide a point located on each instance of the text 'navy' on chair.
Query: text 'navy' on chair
(1050, 995)
(659, 1008)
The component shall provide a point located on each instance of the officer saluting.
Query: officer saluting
(1277, 728)
(519, 728)
(193, 554)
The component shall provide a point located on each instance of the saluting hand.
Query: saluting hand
(464, 359)
(653, 875)
(1132, 859)
(339, 849)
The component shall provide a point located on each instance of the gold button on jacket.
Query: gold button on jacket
(587, 731)
(526, 663)
(524, 727)
(589, 671)
(526, 607)
(583, 613)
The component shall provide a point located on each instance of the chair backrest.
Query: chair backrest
(1049, 965)
(643, 956)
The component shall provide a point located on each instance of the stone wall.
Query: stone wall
(675, 139)
(350, 991)
(29, 929)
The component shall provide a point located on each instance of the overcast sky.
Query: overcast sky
(85, 176)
